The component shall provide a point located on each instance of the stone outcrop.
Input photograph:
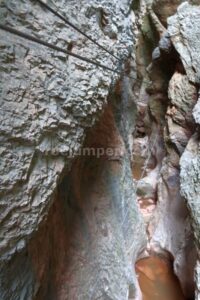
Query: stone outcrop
(89, 233)
(167, 104)
(184, 32)
(172, 223)
(185, 37)
(49, 102)
(90, 160)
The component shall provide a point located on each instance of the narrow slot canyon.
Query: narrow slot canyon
(100, 150)
(164, 125)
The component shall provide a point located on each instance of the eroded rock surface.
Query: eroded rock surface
(48, 100)
(167, 98)
(185, 37)
(97, 218)
(71, 227)
(48, 103)
(173, 230)
(184, 30)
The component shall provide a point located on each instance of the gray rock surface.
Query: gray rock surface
(196, 112)
(48, 100)
(184, 30)
(169, 117)
(71, 229)
(190, 188)
(109, 231)
(48, 104)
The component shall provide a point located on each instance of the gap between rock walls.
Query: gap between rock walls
(165, 101)
(108, 222)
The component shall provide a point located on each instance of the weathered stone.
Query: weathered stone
(184, 30)
(170, 104)
(190, 189)
(70, 224)
(165, 43)
(48, 103)
(183, 96)
(196, 112)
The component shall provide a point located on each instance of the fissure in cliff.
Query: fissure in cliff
(164, 126)
(100, 160)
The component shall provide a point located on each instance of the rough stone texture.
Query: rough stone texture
(196, 112)
(190, 189)
(190, 163)
(183, 97)
(76, 235)
(48, 100)
(48, 103)
(184, 30)
(171, 225)
(166, 108)
(89, 243)
(172, 230)
(105, 245)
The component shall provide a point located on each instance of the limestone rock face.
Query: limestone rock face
(184, 30)
(91, 233)
(49, 101)
(190, 190)
(169, 107)
(196, 112)
(98, 170)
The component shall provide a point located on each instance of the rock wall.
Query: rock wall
(49, 101)
(74, 135)
(166, 122)
(185, 36)
(89, 243)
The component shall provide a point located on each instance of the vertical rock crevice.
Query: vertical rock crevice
(165, 102)
(100, 173)
(94, 231)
